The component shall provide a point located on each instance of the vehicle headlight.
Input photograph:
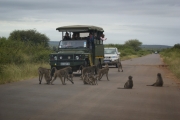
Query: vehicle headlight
(77, 57)
(55, 57)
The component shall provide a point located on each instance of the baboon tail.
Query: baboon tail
(150, 85)
(53, 70)
(80, 68)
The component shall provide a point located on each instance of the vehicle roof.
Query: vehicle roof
(79, 28)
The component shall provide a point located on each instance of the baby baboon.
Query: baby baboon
(86, 78)
(90, 78)
(44, 72)
(103, 71)
(159, 81)
(61, 73)
(119, 65)
(129, 83)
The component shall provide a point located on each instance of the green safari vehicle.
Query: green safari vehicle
(80, 45)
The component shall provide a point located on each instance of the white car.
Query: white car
(111, 56)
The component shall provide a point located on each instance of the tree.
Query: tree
(29, 36)
(176, 46)
(134, 43)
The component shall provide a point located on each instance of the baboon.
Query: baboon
(119, 65)
(67, 69)
(103, 71)
(85, 78)
(90, 69)
(92, 79)
(44, 72)
(129, 83)
(70, 72)
(159, 81)
(61, 73)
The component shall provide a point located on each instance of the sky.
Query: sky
(152, 22)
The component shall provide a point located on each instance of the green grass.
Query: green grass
(171, 57)
(12, 72)
(129, 57)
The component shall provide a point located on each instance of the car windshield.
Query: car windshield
(109, 51)
(73, 44)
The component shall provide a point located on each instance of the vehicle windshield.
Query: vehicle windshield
(73, 44)
(109, 51)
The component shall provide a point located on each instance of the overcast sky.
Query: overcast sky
(153, 22)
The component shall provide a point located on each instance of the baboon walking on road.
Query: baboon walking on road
(103, 71)
(129, 83)
(44, 72)
(159, 81)
(62, 73)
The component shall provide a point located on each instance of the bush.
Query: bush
(172, 58)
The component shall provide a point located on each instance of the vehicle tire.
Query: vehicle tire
(85, 63)
(116, 66)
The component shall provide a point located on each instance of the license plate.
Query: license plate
(106, 58)
(106, 61)
(65, 63)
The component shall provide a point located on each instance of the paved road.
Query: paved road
(27, 100)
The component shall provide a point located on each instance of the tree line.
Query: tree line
(24, 46)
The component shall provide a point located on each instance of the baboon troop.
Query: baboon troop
(159, 81)
(129, 83)
(44, 72)
(88, 75)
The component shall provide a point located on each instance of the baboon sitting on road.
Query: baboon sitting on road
(44, 72)
(159, 81)
(90, 78)
(129, 83)
(90, 69)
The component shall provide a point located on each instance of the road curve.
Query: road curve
(27, 100)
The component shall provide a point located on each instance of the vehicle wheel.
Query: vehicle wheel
(116, 66)
(85, 63)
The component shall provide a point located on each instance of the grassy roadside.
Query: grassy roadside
(129, 57)
(172, 59)
(12, 72)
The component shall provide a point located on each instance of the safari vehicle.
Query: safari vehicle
(77, 50)
(111, 56)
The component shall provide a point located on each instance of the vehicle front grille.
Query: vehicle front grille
(65, 57)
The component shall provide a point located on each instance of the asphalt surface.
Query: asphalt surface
(27, 100)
